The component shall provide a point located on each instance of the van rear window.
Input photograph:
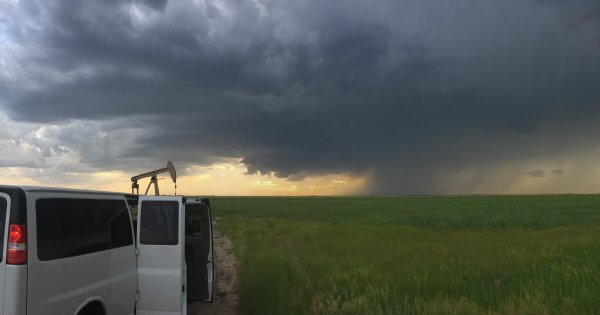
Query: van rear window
(3, 210)
(159, 223)
(70, 227)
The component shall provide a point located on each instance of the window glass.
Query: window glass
(159, 223)
(3, 211)
(120, 230)
(70, 227)
(197, 220)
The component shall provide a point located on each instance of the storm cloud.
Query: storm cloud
(406, 91)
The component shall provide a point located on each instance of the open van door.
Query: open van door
(161, 264)
(199, 250)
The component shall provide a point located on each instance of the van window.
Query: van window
(159, 223)
(120, 229)
(196, 216)
(3, 210)
(70, 227)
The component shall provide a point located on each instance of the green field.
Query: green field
(416, 255)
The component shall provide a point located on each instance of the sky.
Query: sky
(303, 97)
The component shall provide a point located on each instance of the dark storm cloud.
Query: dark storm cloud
(558, 172)
(542, 173)
(579, 12)
(536, 173)
(406, 90)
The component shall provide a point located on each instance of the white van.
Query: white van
(75, 252)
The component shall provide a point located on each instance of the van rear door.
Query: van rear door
(4, 203)
(199, 250)
(161, 264)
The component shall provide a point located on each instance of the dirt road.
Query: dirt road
(226, 298)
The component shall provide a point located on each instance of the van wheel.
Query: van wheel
(94, 308)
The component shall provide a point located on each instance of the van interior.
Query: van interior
(198, 243)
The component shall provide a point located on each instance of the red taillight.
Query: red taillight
(17, 245)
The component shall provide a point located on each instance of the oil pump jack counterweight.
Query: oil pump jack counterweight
(135, 187)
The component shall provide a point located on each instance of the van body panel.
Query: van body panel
(160, 264)
(4, 213)
(199, 250)
(62, 285)
(124, 273)
(13, 278)
(15, 290)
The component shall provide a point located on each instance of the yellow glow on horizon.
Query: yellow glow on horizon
(230, 178)
(227, 178)
(110, 174)
(13, 176)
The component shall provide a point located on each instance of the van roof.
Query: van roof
(26, 188)
(57, 189)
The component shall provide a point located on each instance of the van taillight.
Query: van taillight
(17, 245)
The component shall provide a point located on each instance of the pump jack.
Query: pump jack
(153, 179)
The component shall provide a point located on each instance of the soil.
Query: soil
(226, 284)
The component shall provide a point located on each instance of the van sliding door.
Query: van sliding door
(161, 265)
(198, 252)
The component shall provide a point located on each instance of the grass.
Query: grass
(416, 255)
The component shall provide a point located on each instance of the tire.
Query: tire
(93, 308)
